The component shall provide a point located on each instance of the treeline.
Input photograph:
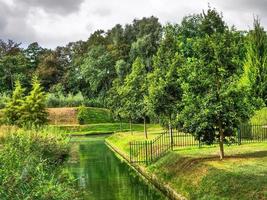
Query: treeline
(200, 74)
(86, 67)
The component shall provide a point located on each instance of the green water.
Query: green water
(103, 176)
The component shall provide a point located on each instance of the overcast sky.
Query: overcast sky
(57, 22)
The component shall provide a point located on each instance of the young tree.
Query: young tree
(213, 104)
(33, 108)
(164, 88)
(134, 91)
(12, 111)
(255, 67)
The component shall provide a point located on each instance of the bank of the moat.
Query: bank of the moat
(104, 176)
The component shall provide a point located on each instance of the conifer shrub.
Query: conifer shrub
(27, 111)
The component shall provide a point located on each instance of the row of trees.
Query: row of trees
(201, 74)
(82, 66)
(207, 78)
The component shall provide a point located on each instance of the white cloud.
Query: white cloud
(57, 22)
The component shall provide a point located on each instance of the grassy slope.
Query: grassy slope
(108, 128)
(121, 140)
(68, 116)
(199, 174)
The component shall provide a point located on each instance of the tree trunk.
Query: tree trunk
(145, 130)
(131, 126)
(221, 141)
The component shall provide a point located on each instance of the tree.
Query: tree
(12, 111)
(33, 108)
(164, 87)
(255, 67)
(134, 91)
(12, 68)
(98, 71)
(213, 104)
(49, 70)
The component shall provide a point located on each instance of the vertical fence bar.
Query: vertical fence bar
(151, 151)
(239, 135)
(130, 152)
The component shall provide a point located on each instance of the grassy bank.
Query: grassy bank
(32, 165)
(122, 139)
(199, 174)
(70, 116)
(102, 128)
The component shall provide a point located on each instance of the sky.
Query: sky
(54, 23)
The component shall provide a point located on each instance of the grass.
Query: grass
(32, 165)
(62, 115)
(108, 128)
(197, 173)
(122, 139)
(69, 116)
(90, 115)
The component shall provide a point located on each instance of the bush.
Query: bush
(3, 100)
(31, 166)
(56, 100)
(89, 115)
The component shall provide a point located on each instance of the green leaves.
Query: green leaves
(29, 110)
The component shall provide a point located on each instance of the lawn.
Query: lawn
(69, 116)
(199, 174)
(122, 139)
(102, 128)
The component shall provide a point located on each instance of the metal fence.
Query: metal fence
(150, 150)
(252, 133)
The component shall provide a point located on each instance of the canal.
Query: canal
(103, 176)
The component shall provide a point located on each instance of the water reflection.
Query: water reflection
(105, 177)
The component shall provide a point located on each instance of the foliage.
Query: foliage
(260, 117)
(134, 90)
(13, 109)
(57, 100)
(33, 111)
(98, 70)
(255, 66)
(4, 97)
(164, 87)
(89, 115)
(31, 166)
(213, 104)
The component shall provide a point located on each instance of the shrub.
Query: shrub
(31, 166)
(33, 111)
(55, 100)
(89, 115)
(3, 100)
(13, 109)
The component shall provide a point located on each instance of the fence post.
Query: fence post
(130, 152)
(151, 151)
(171, 135)
(239, 135)
(146, 152)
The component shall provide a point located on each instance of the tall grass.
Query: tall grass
(32, 166)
